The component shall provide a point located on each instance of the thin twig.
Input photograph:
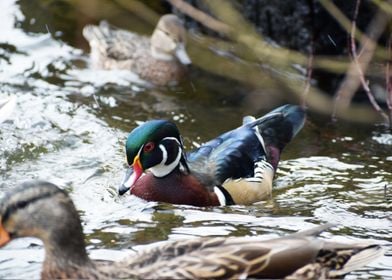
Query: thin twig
(364, 83)
(388, 79)
(355, 73)
(309, 66)
(346, 24)
(309, 73)
(278, 58)
(200, 16)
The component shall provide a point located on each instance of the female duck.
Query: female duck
(160, 59)
(42, 210)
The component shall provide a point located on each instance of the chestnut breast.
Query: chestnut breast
(175, 188)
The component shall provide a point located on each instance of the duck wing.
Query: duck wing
(294, 255)
(239, 152)
(113, 42)
(231, 155)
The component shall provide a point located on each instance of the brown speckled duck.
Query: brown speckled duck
(42, 210)
(161, 59)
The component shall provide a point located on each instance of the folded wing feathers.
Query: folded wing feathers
(356, 258)
(239, 258)
(232, 261)
(112, 42)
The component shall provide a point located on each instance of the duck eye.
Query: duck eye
(148, 147)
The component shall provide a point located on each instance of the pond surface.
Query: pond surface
(69, 127)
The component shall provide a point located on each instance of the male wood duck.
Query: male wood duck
(160, 59)
(235, 168)
(42, 210)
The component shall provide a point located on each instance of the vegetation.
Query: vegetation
(250, 58)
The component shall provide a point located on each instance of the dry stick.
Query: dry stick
(365, 84)
(200, 16)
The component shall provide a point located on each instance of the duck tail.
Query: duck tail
(347, 258)
(278, 128)
(313, 231)
(94, 33)
(336, 260)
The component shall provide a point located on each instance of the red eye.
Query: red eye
(148, 147)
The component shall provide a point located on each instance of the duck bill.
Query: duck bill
(131, 176)
(182, 55)
(4, 236)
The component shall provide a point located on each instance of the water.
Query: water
(70, 123)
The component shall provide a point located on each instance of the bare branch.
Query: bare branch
(309, 67)
(355, 73)
(309, 72)
(200, 16)
(346, 24)
(361, 75)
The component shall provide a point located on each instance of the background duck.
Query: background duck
(160, 59)
(42, 210)
(235, 168)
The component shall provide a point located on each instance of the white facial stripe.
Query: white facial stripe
(172, 138)
(140, 150)
(161, 170)
(164, 154)
(220, 195)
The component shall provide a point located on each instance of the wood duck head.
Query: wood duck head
(155, 146)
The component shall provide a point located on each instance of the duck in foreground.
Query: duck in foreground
(160, 59)
(235, 168)
(42, 210)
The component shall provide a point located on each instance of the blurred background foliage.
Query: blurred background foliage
(269, 51)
